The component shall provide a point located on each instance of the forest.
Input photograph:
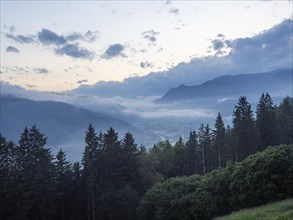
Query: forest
(217, 170)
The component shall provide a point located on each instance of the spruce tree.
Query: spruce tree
(36, 175)
(219, 139)
(205, 144)
(8, 180)
(180, 157)
(265, 122)
(130, 158)
(244, 129)
(284, 115)
(90, 171)
(64, 184)
(192, 157)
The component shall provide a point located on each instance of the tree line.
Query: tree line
(114, 174)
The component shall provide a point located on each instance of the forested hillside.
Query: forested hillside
(213, 172)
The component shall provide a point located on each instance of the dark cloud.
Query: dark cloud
(113, 50)
(218, 44)
(174, 11)
(12, 49)
(146, 65)
(48, 37)
(82, 81)
(73, 50)
(41, 70)
(21, 38)
(150, 35)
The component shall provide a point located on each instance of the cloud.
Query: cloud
(82, 81)
(21, 38)
(113, 50)
(226, 99)
(218, 44)
(150, 35)
(74, 50)
(48, 37)
(146, 65)
(61, 42)
(12, 49)
(41, 70)
(174, 11)
(89, 36)
(264, 52)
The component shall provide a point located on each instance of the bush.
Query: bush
(261, 178)
(170, 199)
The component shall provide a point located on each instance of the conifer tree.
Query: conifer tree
(64, 184)
(284, 115)
(130, 158)
(90, 172)
(180, 157)
(205, 143)
(192, 157)
(219, 138)
(36, 175)
(244, 129)
(8, 179)
(265, 122)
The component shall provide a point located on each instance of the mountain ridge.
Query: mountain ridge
(62, 123)
(233, 85)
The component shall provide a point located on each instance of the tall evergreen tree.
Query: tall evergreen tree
(219, 138)
(113, 154)
(229, 149)
(284, 115)
(205, 144)
(64, 185)
(8, 180)
(192, 157)
(180, 157)
(265, 122)
(244, 128)
(130, 158)
(36, 178)
(90, 172)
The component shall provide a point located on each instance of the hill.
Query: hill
(277, 82)
(282, 210)
(62, 123)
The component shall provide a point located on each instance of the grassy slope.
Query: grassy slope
(275, 211)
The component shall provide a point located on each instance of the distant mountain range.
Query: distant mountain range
(63, 124)
(277, 83)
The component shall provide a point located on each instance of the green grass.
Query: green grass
(282, 210)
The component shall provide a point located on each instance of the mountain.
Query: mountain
(62, 123)
(277, 83)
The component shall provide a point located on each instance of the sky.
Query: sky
(60, 45)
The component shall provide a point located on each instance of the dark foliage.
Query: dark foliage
(118, 180)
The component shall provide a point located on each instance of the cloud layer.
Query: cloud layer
(266, 51)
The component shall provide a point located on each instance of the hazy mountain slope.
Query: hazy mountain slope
(62, 123)
(278, 82)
